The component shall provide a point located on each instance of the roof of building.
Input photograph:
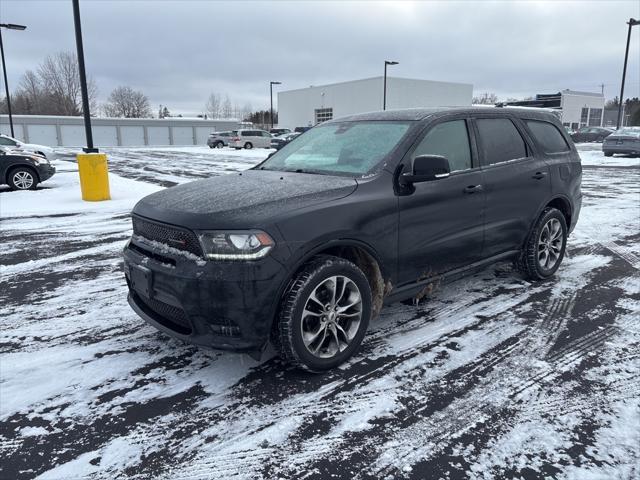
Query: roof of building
(379, 77)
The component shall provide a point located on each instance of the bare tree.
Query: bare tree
(246, 111)
(128, 103)
(213, 106)
(485, 99)
(60, 78)
(227, 109)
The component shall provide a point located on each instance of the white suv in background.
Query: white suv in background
(251, 139)
(7, 141)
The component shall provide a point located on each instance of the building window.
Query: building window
(323, 114)
(584, 117)
(595, 117)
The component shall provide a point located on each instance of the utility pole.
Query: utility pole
(631, 23)
(10, 26)
(83, 79)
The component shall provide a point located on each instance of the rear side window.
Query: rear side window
(548, 135)
(500, 140)
(450, 140)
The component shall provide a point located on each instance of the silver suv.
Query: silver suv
(250, 139)
(220, 139)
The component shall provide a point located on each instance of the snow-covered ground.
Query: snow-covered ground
(492, 377)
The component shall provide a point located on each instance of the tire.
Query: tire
(248, 145)
(545, 246)
(211, 146)
(608, 154)
(22, 178)
(219, 144)
(334, 330)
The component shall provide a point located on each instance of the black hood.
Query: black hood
(249, 199)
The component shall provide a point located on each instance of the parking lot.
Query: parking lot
(490, 377)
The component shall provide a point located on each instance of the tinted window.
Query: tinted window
(6, 141)
(548, 136)
(449, 139)
(500, 141)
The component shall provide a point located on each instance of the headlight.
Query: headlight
(40, 160)
(235, 245)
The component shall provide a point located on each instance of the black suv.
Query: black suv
(306, 247)
(23, 170)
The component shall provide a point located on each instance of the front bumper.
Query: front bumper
(226, 305)
(45, 171)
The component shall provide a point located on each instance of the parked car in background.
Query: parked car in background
(281, 140)
(7, 141)
(591, 134)
(23, 170)
(301, 129)
(250, 139)
(279, 131)
(625, 140)
(220, 139)
(306, 247)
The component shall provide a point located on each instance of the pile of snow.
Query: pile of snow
(61, 195)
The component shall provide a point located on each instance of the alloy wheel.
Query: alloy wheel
(550, 244)
(331, 316)
(23, 180)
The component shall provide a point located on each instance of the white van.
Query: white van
(250, 139)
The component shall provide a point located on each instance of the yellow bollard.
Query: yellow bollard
(94, 176)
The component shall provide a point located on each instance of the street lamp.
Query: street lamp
(271, 84)
(8, 26)
(83, 79)
(631, 23)
(384, 93)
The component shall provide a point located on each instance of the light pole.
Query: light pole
(384, 93)
(83, 79)
(631, 23)
(9, 26)
(271, 84)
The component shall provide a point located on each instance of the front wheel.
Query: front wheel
(324, 315)
(22, 178)
(219, 144)
(248, 145)
(545, 247)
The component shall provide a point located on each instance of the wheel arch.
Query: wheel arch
(563, 204)
(15, 166)
(361, 254)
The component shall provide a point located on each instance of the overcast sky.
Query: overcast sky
(177, 52)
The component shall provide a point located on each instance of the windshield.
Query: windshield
(348, 148)
(629, 131)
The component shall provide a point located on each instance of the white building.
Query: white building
(309, 106)
(581, 109)
(577, 109)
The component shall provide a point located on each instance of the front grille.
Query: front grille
(175, 237)
(171, 317)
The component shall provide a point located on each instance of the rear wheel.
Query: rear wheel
(219, 144)
(545, 247)
(22, 178)
(248, 145)
(324, 315)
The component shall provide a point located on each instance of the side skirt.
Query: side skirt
(411, 290)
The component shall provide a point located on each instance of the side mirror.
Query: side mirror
(427, 168)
